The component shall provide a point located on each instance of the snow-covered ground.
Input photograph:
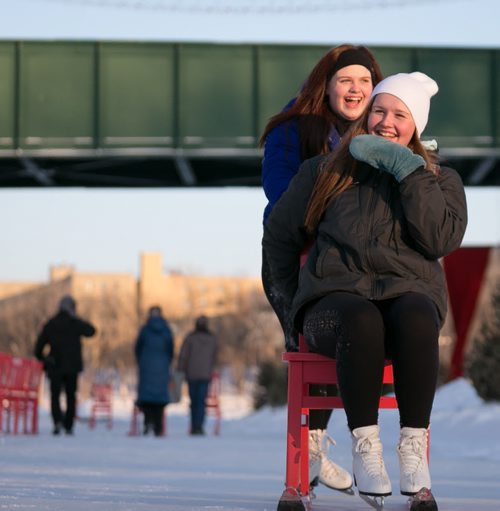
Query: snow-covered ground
(240, 470)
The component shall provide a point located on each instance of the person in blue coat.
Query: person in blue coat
(334, 95)
(154, 351)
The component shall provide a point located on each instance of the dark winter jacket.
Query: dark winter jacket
(154, 350)
(62, 334)
(378, 239)
(198, 355)
(282, 159)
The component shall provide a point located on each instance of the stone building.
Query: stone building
(117, 304)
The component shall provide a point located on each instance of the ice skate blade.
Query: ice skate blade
(375, 502)
(347, 491)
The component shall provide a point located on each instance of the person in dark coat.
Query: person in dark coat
(154, 351)
(62, 334)
(197, 361)
(380, 212)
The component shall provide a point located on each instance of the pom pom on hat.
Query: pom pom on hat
(414, 90)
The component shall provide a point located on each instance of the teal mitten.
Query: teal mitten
(385, 155)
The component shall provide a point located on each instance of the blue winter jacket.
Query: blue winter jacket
(154, 351)
(282, 159)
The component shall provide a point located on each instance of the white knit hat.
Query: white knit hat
(414, 90)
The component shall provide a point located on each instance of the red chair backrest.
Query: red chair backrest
(213, 390)
(5, 363)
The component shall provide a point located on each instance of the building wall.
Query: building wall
(22, 315)
(13, 288)
(117, 303)
(190, 295)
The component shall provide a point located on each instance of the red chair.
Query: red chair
(134, 422)
(212, 402)
(5, 365)
(174, 388)
(305, 369)
(101, 406)
(19, 382)
(35, 373)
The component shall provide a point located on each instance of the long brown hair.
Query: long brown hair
(337, 170)
(311, 107)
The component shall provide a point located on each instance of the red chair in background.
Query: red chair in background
(19, 387)
(212, 402)
(134, 422)
(5, 364)
(33, 379)
(101, 406)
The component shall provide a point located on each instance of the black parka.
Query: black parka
(63, 334)
(378, 239)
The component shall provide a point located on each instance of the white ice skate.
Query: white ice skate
(414, 469)
(329, 473)
(370, 475)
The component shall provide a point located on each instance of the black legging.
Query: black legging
(318, 419)
(69, 383)
(360, 334)
(153, 417)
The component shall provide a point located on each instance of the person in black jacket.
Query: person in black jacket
(62, 334)
(380, 212)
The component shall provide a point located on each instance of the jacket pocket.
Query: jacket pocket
(332, 261)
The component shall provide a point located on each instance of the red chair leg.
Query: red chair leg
(304, 452)
(294, 437)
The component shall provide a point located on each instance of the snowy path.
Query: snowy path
(241, 470)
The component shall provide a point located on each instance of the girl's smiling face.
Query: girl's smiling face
(349, 91)
(390, 118)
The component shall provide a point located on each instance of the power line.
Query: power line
(253, 6)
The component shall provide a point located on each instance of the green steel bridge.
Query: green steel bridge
(144, 114)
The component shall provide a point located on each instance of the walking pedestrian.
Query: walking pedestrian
(63, 361)
(154, 351)
(197, 361)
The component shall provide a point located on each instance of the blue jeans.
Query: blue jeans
(198, 390)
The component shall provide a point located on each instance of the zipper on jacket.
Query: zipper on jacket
(371, 203)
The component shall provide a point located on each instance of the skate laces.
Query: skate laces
(370, 451)
(321, 441)
(413, 451)
(319, 445)
(327, 441)
(329, 467)
(315, 444)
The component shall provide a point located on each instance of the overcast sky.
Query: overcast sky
(467, 23)
(213, 231)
